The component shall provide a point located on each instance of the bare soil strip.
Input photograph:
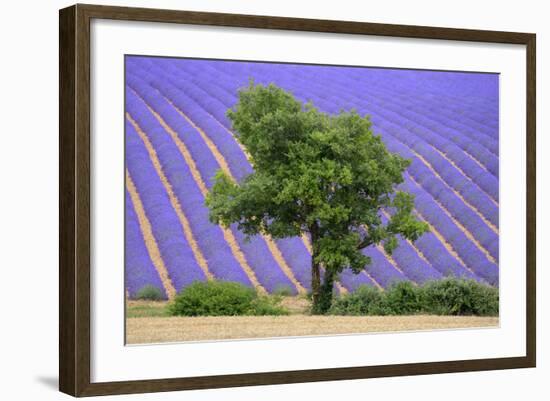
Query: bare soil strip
(279, 258)
(307, 243)
(376, 283)
(479, 163)
(148, 237)
(143, 330)
(199, 257)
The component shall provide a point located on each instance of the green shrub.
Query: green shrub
(364, 300)
(213, 298)
(401, 298)
(453, 296)
(448, 296)
(223, 298)
(150, 293)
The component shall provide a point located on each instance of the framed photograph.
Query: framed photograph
(250, 200)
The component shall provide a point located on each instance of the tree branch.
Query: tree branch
(366, 242)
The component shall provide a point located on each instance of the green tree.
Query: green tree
(326, 176)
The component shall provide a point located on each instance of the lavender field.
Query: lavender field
(177, 136)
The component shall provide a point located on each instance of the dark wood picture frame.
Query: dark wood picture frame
(74, 199)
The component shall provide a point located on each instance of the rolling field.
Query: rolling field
(177, 136)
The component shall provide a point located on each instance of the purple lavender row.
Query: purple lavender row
(493, 163)
(293, 250)
(444, 224)
(482, 178)
(259, 256)
(486, 180)
(470, 218)
(381, 269)
(472, 221)
(174, 249)
(468, 139)
(298, 258)
(427, 131)
(480, 188)
(295, 253)
(459, 122)
(352, 281)
(197, 67)
(205, 161)
(436, 274)
(347, 92)
(268, 272)
(416, 267)
(139, 270)
(209, 237)
(451, 232)
(226, 145)
(433, 185)
(479, 91)
(440, 258)
(391, 102)
(462, 271)
(456, 180)
(478, 104)
(409, 105)
(236, 160)
(410, 262)
(467, 251)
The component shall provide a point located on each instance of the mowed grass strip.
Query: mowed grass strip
(143, 330)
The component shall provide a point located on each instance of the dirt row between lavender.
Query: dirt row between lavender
(154, 327)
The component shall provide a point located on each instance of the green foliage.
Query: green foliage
(223, 298)
(450, 296)
(213, 298)
(325, 175)
(460, 297)
(150, 293)
(402, 298)
(364, 300)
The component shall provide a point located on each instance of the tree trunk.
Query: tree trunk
(325, 298)
(315, 273)
(315, 286)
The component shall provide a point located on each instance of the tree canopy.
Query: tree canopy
(326, 176)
